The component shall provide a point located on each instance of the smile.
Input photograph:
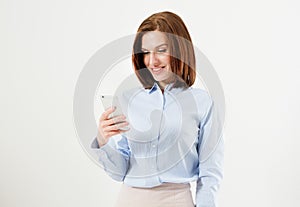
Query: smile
(157, 70)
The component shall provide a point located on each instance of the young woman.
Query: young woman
(169, 122)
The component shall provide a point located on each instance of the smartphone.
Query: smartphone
(110, 101)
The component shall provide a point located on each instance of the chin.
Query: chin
(159, 79)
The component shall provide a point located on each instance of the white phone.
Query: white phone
(109, 101)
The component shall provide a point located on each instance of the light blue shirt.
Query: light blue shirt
(170, 140)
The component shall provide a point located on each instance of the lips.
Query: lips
(158, 70)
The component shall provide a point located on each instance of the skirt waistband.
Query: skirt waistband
(167, 186)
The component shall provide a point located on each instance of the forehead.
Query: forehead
(152, 39)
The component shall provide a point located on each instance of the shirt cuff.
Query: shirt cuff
(95, 144)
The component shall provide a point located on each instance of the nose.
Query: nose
(153, 60)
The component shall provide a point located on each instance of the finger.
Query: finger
(112, 133)
(115, 132)
(120, 118)
(116, 126)
(112, 121)
(106, 113)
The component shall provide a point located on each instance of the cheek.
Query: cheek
(165, 60)
(146, 60)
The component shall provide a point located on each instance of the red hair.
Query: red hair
(182, 55)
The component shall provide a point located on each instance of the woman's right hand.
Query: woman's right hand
(109, 127)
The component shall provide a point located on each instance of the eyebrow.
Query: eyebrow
(164, 44)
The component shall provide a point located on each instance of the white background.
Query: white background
(253, 45)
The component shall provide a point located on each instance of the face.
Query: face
(156, 56)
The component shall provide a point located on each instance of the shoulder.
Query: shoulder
(201, 96)
(203, 101)
(133, 92)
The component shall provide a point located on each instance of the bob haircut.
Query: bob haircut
(182, 55)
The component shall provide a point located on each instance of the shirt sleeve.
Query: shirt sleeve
(210, 164)
(113, 156)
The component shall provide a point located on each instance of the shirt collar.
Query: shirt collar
(156, 86)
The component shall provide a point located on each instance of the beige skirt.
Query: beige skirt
(165, 195)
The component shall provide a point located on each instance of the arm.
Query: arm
(211, 158)
(113, 156)
(111, 146)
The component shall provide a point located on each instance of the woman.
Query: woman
(169, 122)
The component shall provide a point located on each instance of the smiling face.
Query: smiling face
(157, 57)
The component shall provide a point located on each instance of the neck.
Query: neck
(162, 85)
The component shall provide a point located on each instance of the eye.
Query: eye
(162, 50)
